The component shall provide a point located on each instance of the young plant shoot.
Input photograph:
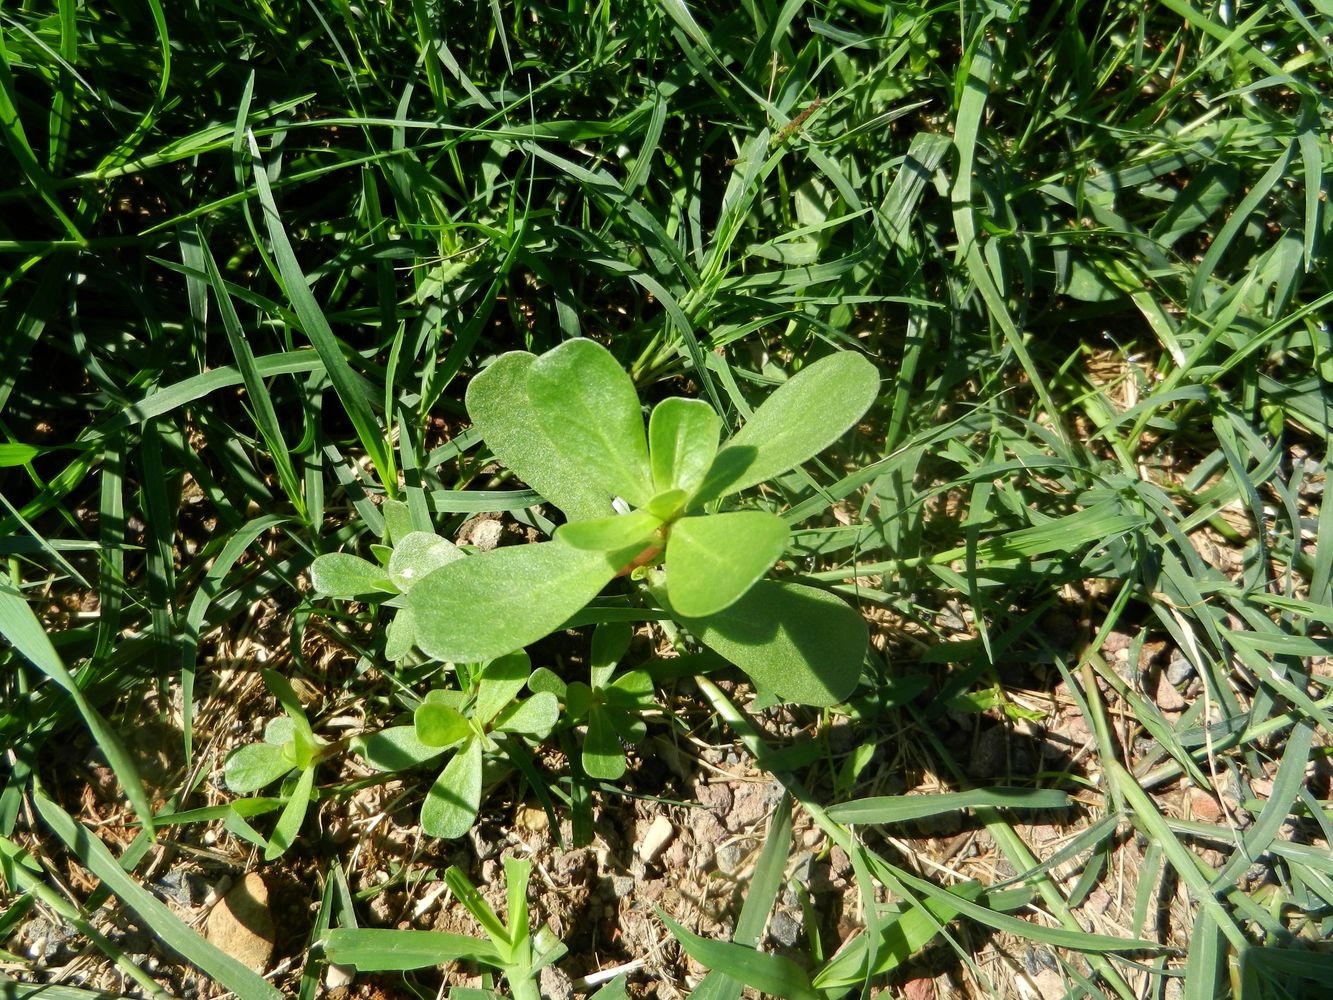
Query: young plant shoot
(569, 423)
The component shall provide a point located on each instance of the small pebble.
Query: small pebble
(783, 930)
(1179, 670)
(660, 834)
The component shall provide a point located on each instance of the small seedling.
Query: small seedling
(474, 729)
(289, 746)
(509, 946)
(612, 707)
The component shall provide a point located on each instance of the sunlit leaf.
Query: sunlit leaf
(804, 416)
(592, 416)
(713, 559)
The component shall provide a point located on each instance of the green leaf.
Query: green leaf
(397, 520)
(341, 574)
(19, 625)
(438, 725)
(802, 644)
(611, 534)
(545, 679)
(418, 553)
(713, 559)
(279, 730)
(775, 975)
(501, 681)
(395, 749)
(498, 403)
(900, 808)
(451, 804)
(352, 392)
(478, 608)
(400, 635)
(253, 766)
(610, 642)
(391, 950)
(535, 716)
(803, 417)
(900, 938)
(293, 815)
(602, 755)
(682, 443)
(13, 453)
(593, 418)
(614, 990)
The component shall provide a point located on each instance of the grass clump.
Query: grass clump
(263, 271)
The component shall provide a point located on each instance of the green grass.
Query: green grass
(250, 255)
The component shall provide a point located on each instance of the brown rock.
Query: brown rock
(242, 923)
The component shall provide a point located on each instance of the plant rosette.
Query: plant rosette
(570, 425)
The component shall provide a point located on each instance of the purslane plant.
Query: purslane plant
(611, 706)
(472, 728)
(289, 746)
(569, 424)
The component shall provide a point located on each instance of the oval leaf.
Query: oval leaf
(712, 560)
(497, 402)
(341, 574)
(399, 636)
(396, 749)
(682, 443)
(438, 725)
(478, 608)
(451, 804)
(501, 681)
(253, 766)
(535, 716)
(591, 413)
(602, 755)
(610, 534)
(800, 643)
(803, 417)
(418, 553)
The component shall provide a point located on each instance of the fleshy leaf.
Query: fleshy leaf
(712, 560)
(535, 716)
(581, 394)
(341, 574)
(396, 749)
(293, 815)
(484, 606)
(803, 644)
(439, 726)
(399, 636)
(497, 402)
(682, 443)
(544, 679)
(578, 701)
(610, 534)
(251, 767)
(804, 416)
(501, 681)
(610, 642)
(279, 730)
(418, 553)
(602, 756)
(397, 520)
(451, 804)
